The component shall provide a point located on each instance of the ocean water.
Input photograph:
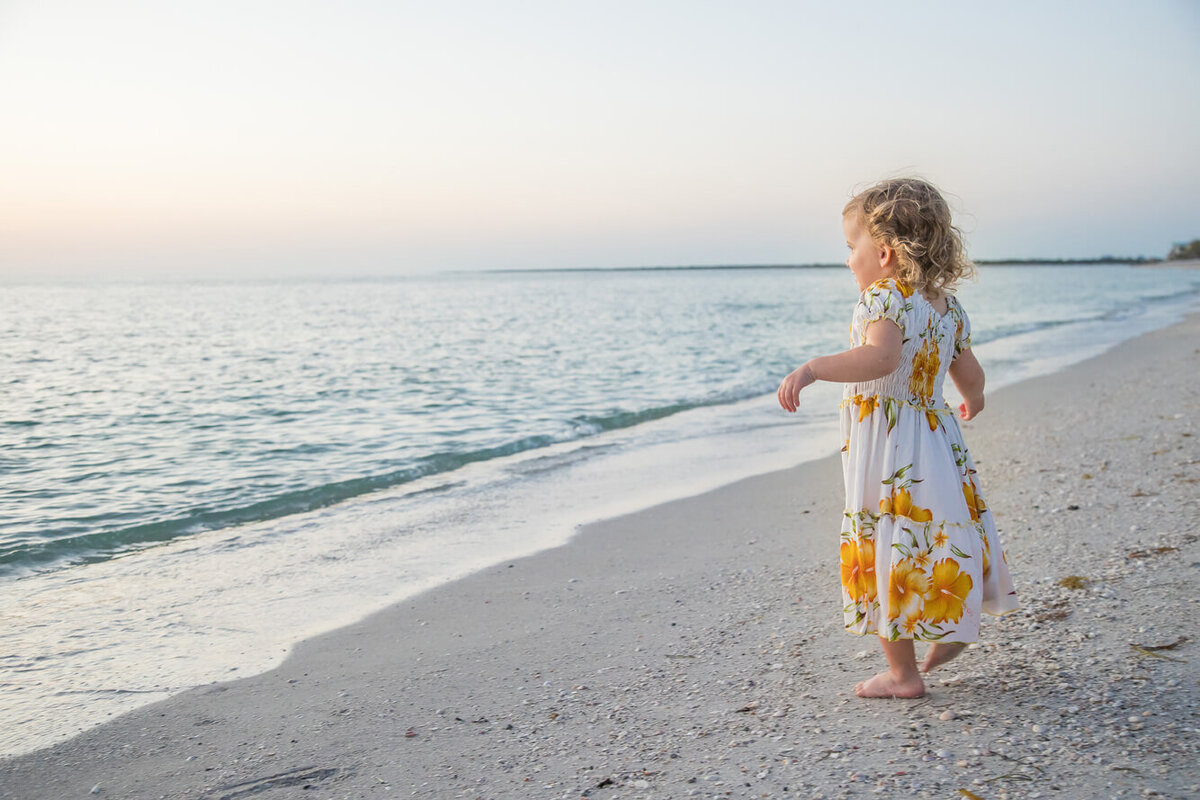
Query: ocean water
(198, 475)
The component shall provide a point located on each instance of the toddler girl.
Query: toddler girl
(920, 555)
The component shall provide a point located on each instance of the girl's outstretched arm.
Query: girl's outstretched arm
(878, 355)
(968, 379)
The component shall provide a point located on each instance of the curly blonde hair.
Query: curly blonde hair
(910, 216)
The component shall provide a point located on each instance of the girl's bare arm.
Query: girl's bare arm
(969, 379)
(878, 355)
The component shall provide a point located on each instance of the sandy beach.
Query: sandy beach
(695, 649)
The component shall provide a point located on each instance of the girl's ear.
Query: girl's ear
(887, 257)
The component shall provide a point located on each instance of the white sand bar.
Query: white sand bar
(695, 649)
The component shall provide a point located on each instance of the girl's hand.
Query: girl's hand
(971, 407)
(789, 390)
(968, 378)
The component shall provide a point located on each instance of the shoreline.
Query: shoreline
(689, 647)
(177, 616)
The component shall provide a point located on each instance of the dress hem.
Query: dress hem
(993, 614)
(913, 638)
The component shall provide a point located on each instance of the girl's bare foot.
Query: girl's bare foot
(939, 653)
(885, 684)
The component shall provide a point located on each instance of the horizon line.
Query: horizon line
(815, 265)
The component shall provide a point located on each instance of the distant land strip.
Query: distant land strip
(1001, 262)
(678, 268)
(1005, 262)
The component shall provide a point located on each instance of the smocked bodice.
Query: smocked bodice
(930, 343)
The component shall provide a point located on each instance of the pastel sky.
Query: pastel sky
(297, 138)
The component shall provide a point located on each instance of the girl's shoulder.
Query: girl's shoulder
(887, 291)
(888, 286)
(953, 306)
(886, 298)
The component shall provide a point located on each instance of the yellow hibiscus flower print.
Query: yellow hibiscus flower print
(907, 586)
(932, 419)
(925, 367)
(904, 289)
(940, 538)
(858, 569)
(866, 405)
(900, 504)
(974, 501)
(948, 590)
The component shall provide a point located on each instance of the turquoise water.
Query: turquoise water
(135, 414)
(198, 476)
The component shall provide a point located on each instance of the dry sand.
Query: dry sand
(695, 649)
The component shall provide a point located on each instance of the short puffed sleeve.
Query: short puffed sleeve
(962, 327)
(884, 299)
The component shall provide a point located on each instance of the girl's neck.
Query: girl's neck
(937, 300)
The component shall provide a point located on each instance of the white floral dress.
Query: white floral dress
(920, 555)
